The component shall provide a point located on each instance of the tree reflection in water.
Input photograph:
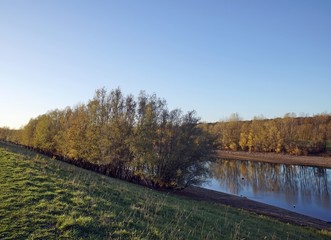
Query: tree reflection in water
(307, 184)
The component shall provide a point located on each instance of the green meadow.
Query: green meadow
(42, 198)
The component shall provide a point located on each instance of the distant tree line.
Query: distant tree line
(290, 134)
(134, 139)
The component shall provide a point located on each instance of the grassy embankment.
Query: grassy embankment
(41, 198)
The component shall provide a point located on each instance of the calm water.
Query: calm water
(301, 189)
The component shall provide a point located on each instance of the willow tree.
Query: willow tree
(143, 140)
(120, 128)
(77, 144)
(169, 148)
(126, 138)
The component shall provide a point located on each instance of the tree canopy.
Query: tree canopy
(134, 139)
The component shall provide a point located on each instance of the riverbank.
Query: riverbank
(195, 193)
(48, 199)
(258, 208)
(315, 161)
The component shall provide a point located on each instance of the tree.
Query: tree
(5, 134)
(136, 140)
(168, 147)
(78, 146)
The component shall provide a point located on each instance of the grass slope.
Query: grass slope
(41, 198)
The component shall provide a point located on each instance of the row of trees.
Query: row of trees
(290, 134)
(138, 140)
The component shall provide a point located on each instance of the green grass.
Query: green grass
(41, 198)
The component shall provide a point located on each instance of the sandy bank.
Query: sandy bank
(277, 158)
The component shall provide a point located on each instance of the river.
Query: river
(301, 189)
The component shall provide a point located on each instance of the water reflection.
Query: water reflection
(303, 187)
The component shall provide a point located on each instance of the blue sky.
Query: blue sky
(216, 57)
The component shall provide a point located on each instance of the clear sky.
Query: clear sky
(216, 57)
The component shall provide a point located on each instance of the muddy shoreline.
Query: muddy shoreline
(314, 161)
(283, 215)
